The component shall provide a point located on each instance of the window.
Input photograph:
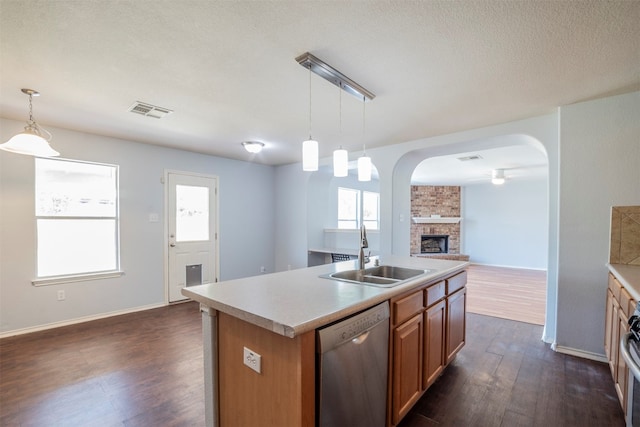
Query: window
(355, 206)
(76, 217)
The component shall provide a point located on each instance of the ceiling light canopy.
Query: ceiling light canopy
(310, 146)
(34, 141)
(334, 76)
(253, 147)
(497, 177)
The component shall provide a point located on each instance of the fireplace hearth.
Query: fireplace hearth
(434, 244)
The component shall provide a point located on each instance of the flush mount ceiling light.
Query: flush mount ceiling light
(31, 142)
(253, 147)
(497, 176)
(327, 72)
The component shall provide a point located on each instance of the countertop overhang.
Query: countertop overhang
(291, 303)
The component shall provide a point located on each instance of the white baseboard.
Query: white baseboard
(508, 266)
(580, 353)
(77, 320)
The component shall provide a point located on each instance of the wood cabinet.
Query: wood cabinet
(619, 306)
(427, 330)
(407, 354)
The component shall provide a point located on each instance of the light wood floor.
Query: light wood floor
(508, 293)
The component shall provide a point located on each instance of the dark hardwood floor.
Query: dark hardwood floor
(145, 369)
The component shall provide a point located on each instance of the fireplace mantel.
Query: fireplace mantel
(436, 220)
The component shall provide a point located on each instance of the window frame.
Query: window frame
(42, 280)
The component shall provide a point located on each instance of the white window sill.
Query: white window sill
(45, 281)
(349, 230)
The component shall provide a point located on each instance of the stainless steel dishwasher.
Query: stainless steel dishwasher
(352, 370)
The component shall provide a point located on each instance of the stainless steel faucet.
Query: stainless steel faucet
(362, 260)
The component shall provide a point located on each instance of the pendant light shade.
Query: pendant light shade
(31, 142)
(310, 155)
(364, 168)
(340, 163)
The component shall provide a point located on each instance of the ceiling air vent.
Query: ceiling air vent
(472, 157)
(149, 110)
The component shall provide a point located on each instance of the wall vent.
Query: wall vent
(472, 157)
(149, 110)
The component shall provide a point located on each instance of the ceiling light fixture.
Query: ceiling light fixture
(327, 72)
(340, 156)
(310, 146)
(253, 147)
(31, 142)
(497, 177)
(364, 161)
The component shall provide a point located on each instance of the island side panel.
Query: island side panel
(283, 394)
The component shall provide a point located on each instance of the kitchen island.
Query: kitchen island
(275, 316)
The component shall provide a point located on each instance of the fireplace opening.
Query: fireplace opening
(434, 244)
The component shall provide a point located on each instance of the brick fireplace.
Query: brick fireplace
(435, 201)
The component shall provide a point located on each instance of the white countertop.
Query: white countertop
(629, 277)
(292, 302)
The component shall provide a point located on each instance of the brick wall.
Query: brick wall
(427, 200)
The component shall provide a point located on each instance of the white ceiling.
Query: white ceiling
(228, 69)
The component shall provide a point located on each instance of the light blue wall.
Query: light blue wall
(506, 225)
(246, 225)
(600, 150)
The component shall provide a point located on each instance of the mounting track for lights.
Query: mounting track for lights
(334, 76)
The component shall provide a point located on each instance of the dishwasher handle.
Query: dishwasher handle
(626, 355)
(361, 338)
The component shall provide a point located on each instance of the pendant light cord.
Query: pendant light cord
(310, 102)
(364, 147)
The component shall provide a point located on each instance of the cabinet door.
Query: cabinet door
(434, 339)
(609, 324)
(622, 372)
(456, 323)
(407, 366)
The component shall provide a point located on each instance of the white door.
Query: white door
(192, 231)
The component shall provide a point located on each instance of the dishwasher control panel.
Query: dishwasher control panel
(347, 329)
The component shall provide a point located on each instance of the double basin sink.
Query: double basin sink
(383, 276)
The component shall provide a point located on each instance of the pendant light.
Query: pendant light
(310, 146)
(31, 142)
(340, 156)
(497, 177)
(364, 161)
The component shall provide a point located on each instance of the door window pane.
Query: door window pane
(192, 213)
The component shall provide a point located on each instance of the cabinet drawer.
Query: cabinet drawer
(406, 307)
(456, 282)
(434, 293)
(615, 286)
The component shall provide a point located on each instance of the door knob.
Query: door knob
(173, 245)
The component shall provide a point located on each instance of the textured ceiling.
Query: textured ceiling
(228, 69)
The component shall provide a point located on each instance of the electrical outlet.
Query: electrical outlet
(252, 359)
(61, 295)
(263, 269)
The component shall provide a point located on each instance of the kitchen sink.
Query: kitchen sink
(385, 276)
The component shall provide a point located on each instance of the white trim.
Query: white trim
(581, 353)
(509, 266)
(350, 230)
(436, 220)
(77, 320)
(46, 281)
(164, 180)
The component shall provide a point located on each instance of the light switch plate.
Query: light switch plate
(252, 359)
